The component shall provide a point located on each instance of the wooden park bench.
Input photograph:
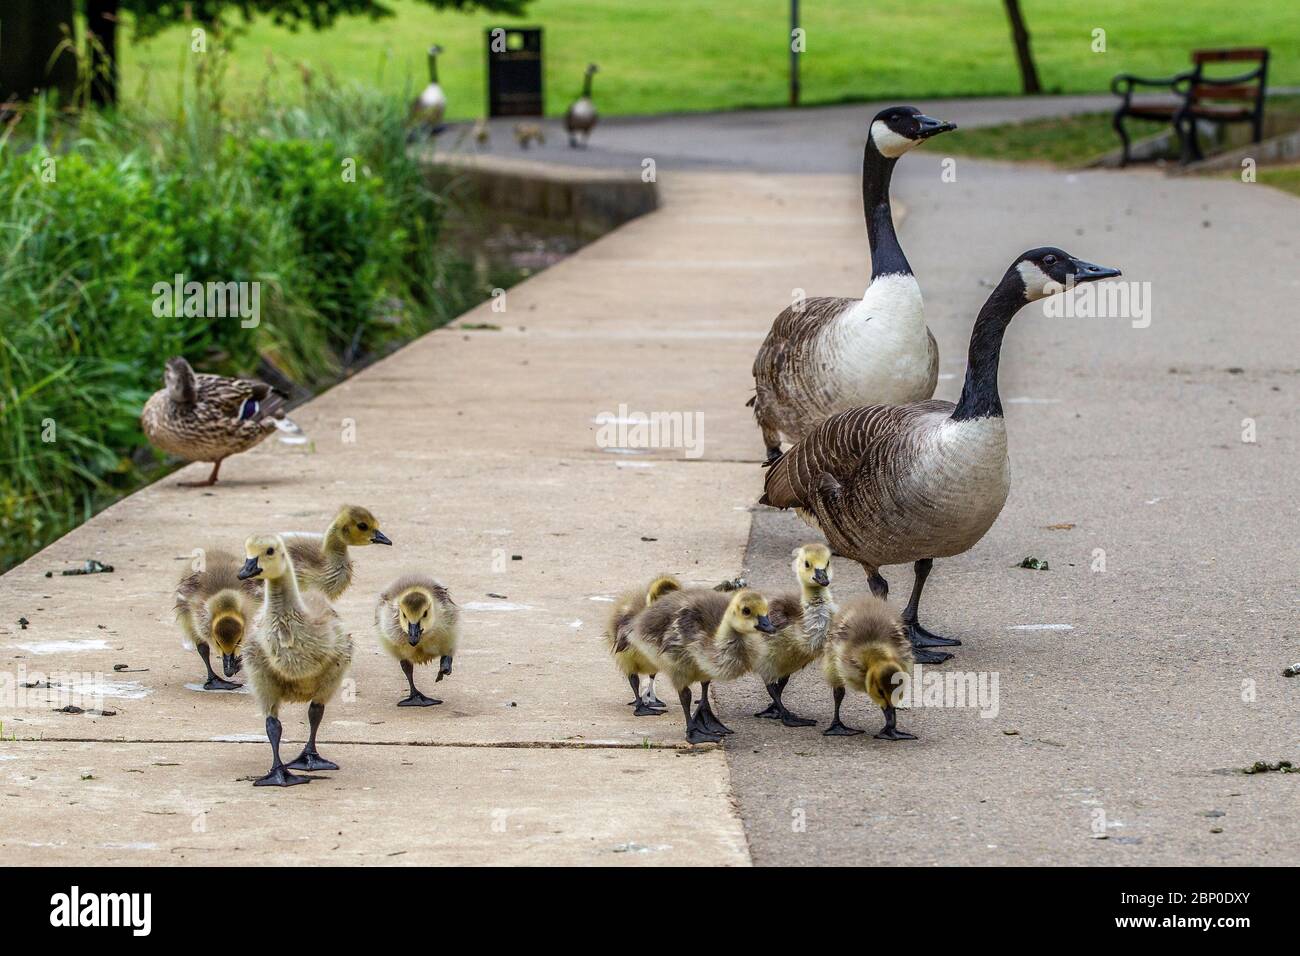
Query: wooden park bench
(1194, 97)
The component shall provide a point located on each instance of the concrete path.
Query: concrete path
(476, 446)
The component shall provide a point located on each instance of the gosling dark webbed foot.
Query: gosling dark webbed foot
(216, 683)
(645, 710)
(893, 733)
(790, 720)
(772, 712)
(311, 761)
(280, 777)
(838, 729)
(418, 700)
(920, 637)
(697, 736)
(710, 723)
(922, 656)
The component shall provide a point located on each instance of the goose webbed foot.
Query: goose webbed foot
(417, 699)
(645, 710)
(839, 729)
(923, 656)
(694, 735)
(771, 712)
(216, 683)
(311, 761)
(705, 718)
(790, 720)
(890, 731)
(280, 777)
(444, 668)
(920, 637)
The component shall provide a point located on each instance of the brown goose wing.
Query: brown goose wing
(792, 335)
(845, 449)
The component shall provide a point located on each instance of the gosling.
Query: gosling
(321, 562)
(702, 636)
(802, 622)
(298, 652)
(418, 622)
(213, 606)
(629, 661)
(867, 650)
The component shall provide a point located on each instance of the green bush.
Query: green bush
(348, 265)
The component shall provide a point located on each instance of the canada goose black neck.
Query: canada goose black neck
(979, 395)
(586, 84)
(886, 254)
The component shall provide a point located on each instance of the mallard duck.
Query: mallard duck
(632, 664)
(889, 484)
(321, 561)
(298, 652)
(417, 621)
(827, 354)
(213, 606)
(580, 117)
(209, 417)
(867, 649)
(702, 636)
(802, 622)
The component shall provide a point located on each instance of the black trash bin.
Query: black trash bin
(514, 61)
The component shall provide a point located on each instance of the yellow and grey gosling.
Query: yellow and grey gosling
(321, 561)
(630, 662)
(209, 417)
(802, 622)
(528, 133)
(867, 649)
(213, 606)
(418, 622)
(702, 636)
(298, 652)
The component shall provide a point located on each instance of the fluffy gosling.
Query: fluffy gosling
(702, 636)
(627, 658)
(802, 622)
(298, 652)
(213, 606)
(866, 650)
(418, 622)
(321, 562)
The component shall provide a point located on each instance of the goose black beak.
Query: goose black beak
(820, 578)
(251, 569)
(379, 538)
(1088, 272)
(933, 127)
(765, 624)
(230, 663)
(413, 632)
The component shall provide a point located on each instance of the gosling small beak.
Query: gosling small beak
(820, 578)
(251, 569)
(933, 127)
(413, 632)
(1087, 272)
(230, 663)
(765, 624)
(379, 538)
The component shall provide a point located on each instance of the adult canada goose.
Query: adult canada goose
(824, 355)
(209, 417)
(580, 118)
(629, 661)
(888, 484)
(298, 652)
(802, 621)
(701, 636)
(213, 606)
(321, 561)
(429, 108)
(418, 622)
(867, 650)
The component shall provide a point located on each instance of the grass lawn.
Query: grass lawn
(1283, 177)
(678, 55)
(1073, 140)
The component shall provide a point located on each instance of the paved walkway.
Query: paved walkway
(475, 446)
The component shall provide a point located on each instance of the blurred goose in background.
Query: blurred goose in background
(580, 118)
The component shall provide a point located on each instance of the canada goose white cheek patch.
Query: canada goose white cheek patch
(1035, 280)
(891, 144)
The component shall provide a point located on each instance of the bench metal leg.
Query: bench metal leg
(1118, 123)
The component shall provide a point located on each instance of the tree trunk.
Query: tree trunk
(101, 38)
(29, 34)
(1019, 34)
